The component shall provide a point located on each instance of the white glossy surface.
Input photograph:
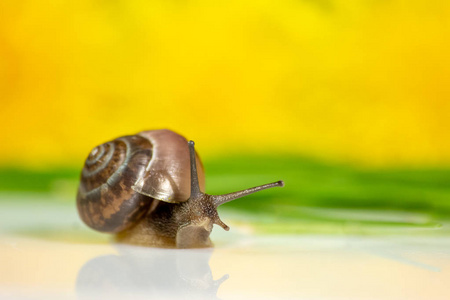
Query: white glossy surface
(55, 265)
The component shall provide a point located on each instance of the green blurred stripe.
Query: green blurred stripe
(308, 183)
(21, 180)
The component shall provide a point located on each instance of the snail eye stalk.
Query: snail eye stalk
(221, 199)
(195, 187)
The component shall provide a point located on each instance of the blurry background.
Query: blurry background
(347, 101)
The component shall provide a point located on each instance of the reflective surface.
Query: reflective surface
(150, 273)
(46, 253)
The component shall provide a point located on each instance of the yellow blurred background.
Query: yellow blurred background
(364, 82)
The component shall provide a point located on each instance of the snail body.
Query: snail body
(148, 190)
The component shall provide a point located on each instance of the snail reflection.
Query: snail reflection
(149, 273)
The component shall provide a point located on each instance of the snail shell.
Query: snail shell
(124, 179)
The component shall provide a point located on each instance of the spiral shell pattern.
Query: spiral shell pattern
(105, 199)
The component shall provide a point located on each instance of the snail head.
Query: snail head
(203, 207)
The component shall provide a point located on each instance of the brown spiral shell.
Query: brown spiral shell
(105, 200)
(122, 178)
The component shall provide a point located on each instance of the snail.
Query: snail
(147, 189)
